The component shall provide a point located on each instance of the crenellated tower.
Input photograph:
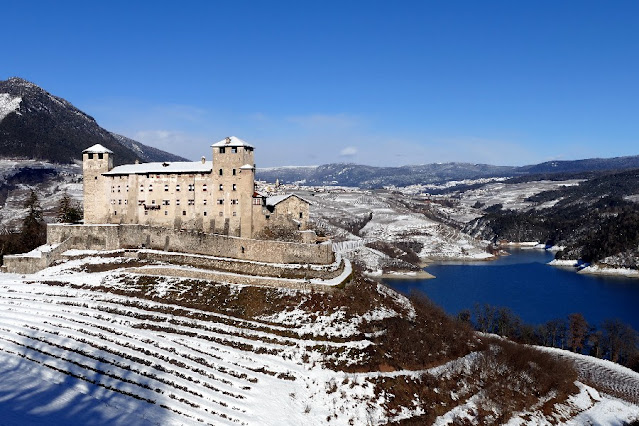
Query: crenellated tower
(95, 161)
(234, 170)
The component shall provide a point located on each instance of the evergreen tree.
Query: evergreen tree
(34, 229)
(68, 210)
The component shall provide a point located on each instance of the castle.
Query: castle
(217, 196)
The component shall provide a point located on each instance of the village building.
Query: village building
(217, 196)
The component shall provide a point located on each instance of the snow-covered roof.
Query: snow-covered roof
(275, 200)
(98, 149)
(231, 141)
(166, 167)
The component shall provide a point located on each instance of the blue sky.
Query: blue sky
(373, 82)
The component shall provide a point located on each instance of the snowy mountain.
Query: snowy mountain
(37, 125)
(370, 177)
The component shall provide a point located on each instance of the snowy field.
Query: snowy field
(79, 346)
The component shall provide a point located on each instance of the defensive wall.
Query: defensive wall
(296, 271)
(113, 237)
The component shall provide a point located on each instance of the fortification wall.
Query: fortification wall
(32, 262)
(324, 272)
(112, 237)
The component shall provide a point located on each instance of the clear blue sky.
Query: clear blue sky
(373, 82)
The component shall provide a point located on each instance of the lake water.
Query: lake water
(531, 289)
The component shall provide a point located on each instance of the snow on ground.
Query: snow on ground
(8, 104)
(75, 349)
(65, 178)
(391, 222)
(512, 196)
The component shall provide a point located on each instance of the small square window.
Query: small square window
(204, 213)
(234, 150)
(100, 156)
(183, 212)
(220, 172)
(166, 188)
(222, 150)
(90, 156)
(166, 212)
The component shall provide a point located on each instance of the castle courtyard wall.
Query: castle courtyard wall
(113, 237)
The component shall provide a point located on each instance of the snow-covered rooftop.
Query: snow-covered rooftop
(98, 149)
(166, 167)
(275, 200)
(247, 167)
(231, 141)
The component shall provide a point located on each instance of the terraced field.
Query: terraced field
(88, 342)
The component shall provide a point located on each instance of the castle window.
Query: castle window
(90, 156)
(118, 188)
(146, 212)
(96, 178)
(100, 156)
(204, 187)
(234, 202)
(152, 201)
(234, 213)
(204, 213)
(127, 188)
(220, 201)
(233, 172)
(112, 189)
(150, 187)
(141, 188)
(220, 172)
(166, 188)
(204, 201)
(221, 187)
(115, 213)
(177, 187)
(165, 202)
(191, 187)
(234, 187)
(234, 150)
(183, 212)
(177, 202)
(126, 202)
(166, 212)
(191, 202)
(222, 150)
(120, 202)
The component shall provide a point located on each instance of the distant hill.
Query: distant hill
(35, 124)
(376, 177)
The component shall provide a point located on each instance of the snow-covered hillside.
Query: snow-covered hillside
(88, 342)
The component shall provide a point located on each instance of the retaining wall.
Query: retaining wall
(113, 237)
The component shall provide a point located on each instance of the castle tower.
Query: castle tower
(234, 170)
(95, 161)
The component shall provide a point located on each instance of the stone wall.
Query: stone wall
(34, 261)
(221, 277)
(324, 272)
(112, 237)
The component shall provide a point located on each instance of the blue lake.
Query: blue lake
(531, 289)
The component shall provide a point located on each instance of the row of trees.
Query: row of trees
(613, 339)
(33, 231)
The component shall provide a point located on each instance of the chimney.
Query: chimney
(203, 159)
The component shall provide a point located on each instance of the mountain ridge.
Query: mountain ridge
(35, 124)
